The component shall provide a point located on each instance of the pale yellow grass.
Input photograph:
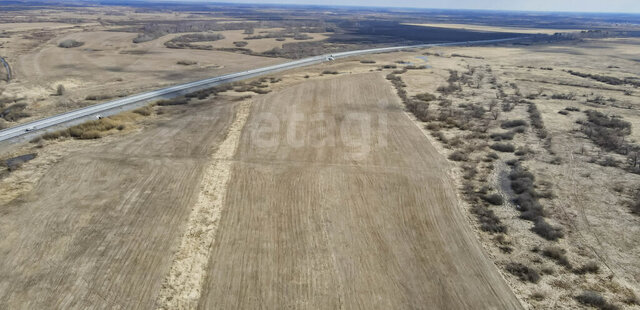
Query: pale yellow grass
(496, 28)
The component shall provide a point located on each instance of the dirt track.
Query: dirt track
(322, 227)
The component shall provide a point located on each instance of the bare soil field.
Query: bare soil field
(103, 237)
(373, 224)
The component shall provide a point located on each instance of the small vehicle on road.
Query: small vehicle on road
(32, 128)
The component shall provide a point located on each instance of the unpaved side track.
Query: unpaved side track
(181, 289)
(337, 201)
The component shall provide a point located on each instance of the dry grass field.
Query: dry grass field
(586, 190)
(496, 28)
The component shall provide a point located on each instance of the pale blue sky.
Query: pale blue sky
(622, 6)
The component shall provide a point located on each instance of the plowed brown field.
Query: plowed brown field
(334, 199)
(367, 221)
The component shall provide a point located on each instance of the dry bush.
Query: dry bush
(425, 97)
(186, 62)
(174, 101)
(499, 136)
(561, 96)
(594, 299)
(240, 43)
(494, 199)
(606, 131)
(70, 43)
(14, 112)
(488, 220)
(459, 156)
(330, 72)
(634, 204)
(60, 90)
(514, 123)
(367, 61)
(524, 273)
(144, 111)
(590, 267)
(503, 147)
(558, 255)
(545, 230)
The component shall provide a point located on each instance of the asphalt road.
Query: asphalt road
(73, 117)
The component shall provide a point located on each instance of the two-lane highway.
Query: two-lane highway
(127, 103)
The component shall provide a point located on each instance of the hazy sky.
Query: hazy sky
(623, 6)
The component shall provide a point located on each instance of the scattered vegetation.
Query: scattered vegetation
(527, 202)
(14, 112)
(330, 72)
(88, 130)
(70, 44)
(606, 79)
(590, 267)
(503, 147)
(186, 40)
(523, 272)
(240, 43)
(594, 299)
(606, 131)
(558, 255)
(186, 62)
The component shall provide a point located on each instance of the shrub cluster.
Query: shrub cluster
(523, 272)
(70, 43)
(605, 79)
(558, 255)
(184, 41)
(527, 201)
(503, 147)
(14, 112)
(608, 132)
(453, 84)
(513, 123)
(593, 299)
(88, 130)
(489, 221)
